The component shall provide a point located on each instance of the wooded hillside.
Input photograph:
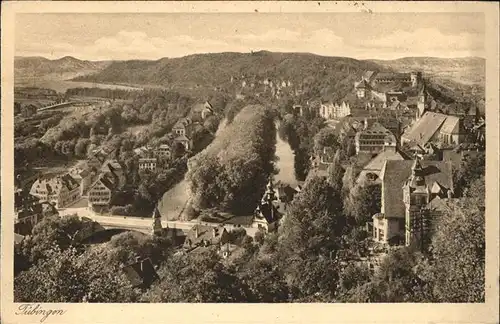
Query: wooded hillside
(226, 174)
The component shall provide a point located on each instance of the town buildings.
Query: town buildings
(182, 127)
(407, 189)
(374, 138)
(163, 151)
(205, 236)
(362, 89)
(435, 127)
(148, 164)
(84, 176)
(114, 170)
(29, 211)
(60, 190)
(371, 172)
(334, 111)
(184, 141)
(101, 191)
(268, 213)
(141, 273)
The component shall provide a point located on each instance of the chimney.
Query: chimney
(365, 123)
(450, 194)
(196, 234)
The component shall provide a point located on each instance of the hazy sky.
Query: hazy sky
(152, 36)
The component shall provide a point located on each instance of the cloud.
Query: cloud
(129, 44)
(280, 34)
(428, 40)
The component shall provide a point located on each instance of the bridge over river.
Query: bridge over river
(142, 224)
(132, 223)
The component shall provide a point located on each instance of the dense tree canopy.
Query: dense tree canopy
(458, 250)
(68, 276)
(198, 277)
(362, 202)
(309, 239)
(239, 160)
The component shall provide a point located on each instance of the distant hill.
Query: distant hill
(328, 78)
(217, 69)
(63, 68)
(467, 70)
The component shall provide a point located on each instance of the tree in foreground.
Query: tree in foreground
(196, 278)
(67, 276)
(309, 239)
(458, 250)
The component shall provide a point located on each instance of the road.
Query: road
(124, 221)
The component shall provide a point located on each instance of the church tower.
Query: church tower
(415, 197)
(157, 229)
(422, 98)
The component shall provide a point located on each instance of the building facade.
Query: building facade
(58, 190)
(148, 164)
(408, 189)
(163, 151)
(335, 111)
(101, 192)
(374, 139)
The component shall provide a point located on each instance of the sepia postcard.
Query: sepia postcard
(249, 162)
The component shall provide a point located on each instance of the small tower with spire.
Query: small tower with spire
(157, 228)
(270, 194)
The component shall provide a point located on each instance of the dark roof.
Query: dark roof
(392, 75)
(55, 184)
(269, 212)
(362, 85)
(200, 234)
(141, 273)
(107, 182)
(181, 138)
(112, 166)
(394, 175)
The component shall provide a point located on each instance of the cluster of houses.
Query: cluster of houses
(335, 111)
(268, 214)
(178, 140)
(410, 152)
(101, 176)
(277, 87)
(28, 211)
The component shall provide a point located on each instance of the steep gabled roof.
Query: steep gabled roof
(394, 175)
(107, 182)
(210, 235)
(377, 163)
(54, 185)
(425, 128)
(181, 138)
(451, 125)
